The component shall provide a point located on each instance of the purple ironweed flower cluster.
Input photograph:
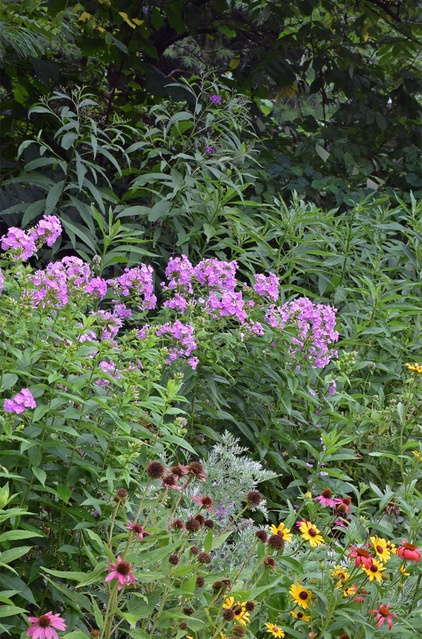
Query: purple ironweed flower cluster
(20, 402)
(215, 99)
(315, 324)
(24, 244)
(135, 282)
(183, 335)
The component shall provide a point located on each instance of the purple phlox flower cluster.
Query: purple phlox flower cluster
(20, 402)
(2, 279)
(110, 369)
(21, 243)
(216, 99)
(135, 282)
(332, 387)
(180, 274)
(97, 287)
(183, 334)
(51, 286)
(217, 274)
(226, 304)
(122, 311)
(48, 229)
(144, 331)
(177, 302)
(254, 328)
(267, 285)
(315, 324)
(109, 322)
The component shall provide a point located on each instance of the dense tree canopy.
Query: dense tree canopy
(334, 86)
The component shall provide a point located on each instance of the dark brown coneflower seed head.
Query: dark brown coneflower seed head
(179, 470)
(204, 558)
(121, 495)
(188, 611)
(183, 625)
(227, 583)
(208, 523)
(218, 585)
(200, 582)
(270, 562)
(192, 525)
(344, 635)
(254, 498)
(238, 632)
(327, 493)
(170, 480)
(178, 524)
(250, 606)
(155, 470)
(200, 518)
(228, 614)
(347, 500)
(174, 559)
(197, 470)
(124, 568)
(276, 541)
(262, 536)
(194, 550)
(206, 502)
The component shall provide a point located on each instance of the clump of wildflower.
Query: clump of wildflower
(383, 614)
(48, 229)
(375, 570)
(300, 595)
(310, 533)
(315, 326)
(217, 274)
(215, 99)
(45, 626)
(416, 368)
(122, 571)
(267, 285)
(299, 615)
(281, 531)
(380, 546)
(409, 552)
(361, 556)
(21, 244)
(20, 402)
(183, 336)
(138, 530)
(276, 631)
(240, 614)
(137, 282)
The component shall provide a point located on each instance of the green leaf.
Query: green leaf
(8, 380)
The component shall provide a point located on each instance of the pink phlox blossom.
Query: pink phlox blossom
(267, 285)
(122, 311)
(193, 362)
(227, 304)
(110, 369)
(217, 274)
(183, 335)
(22, 243)
(20, 402)
(122, 571)
(75, 271)
(96, 286)
(109, 323)
(48, 229)
(136, 282)
(45, 626)
(180, 274)
(383, 614)
(177, 302)
(144, 331)
(255, 328)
